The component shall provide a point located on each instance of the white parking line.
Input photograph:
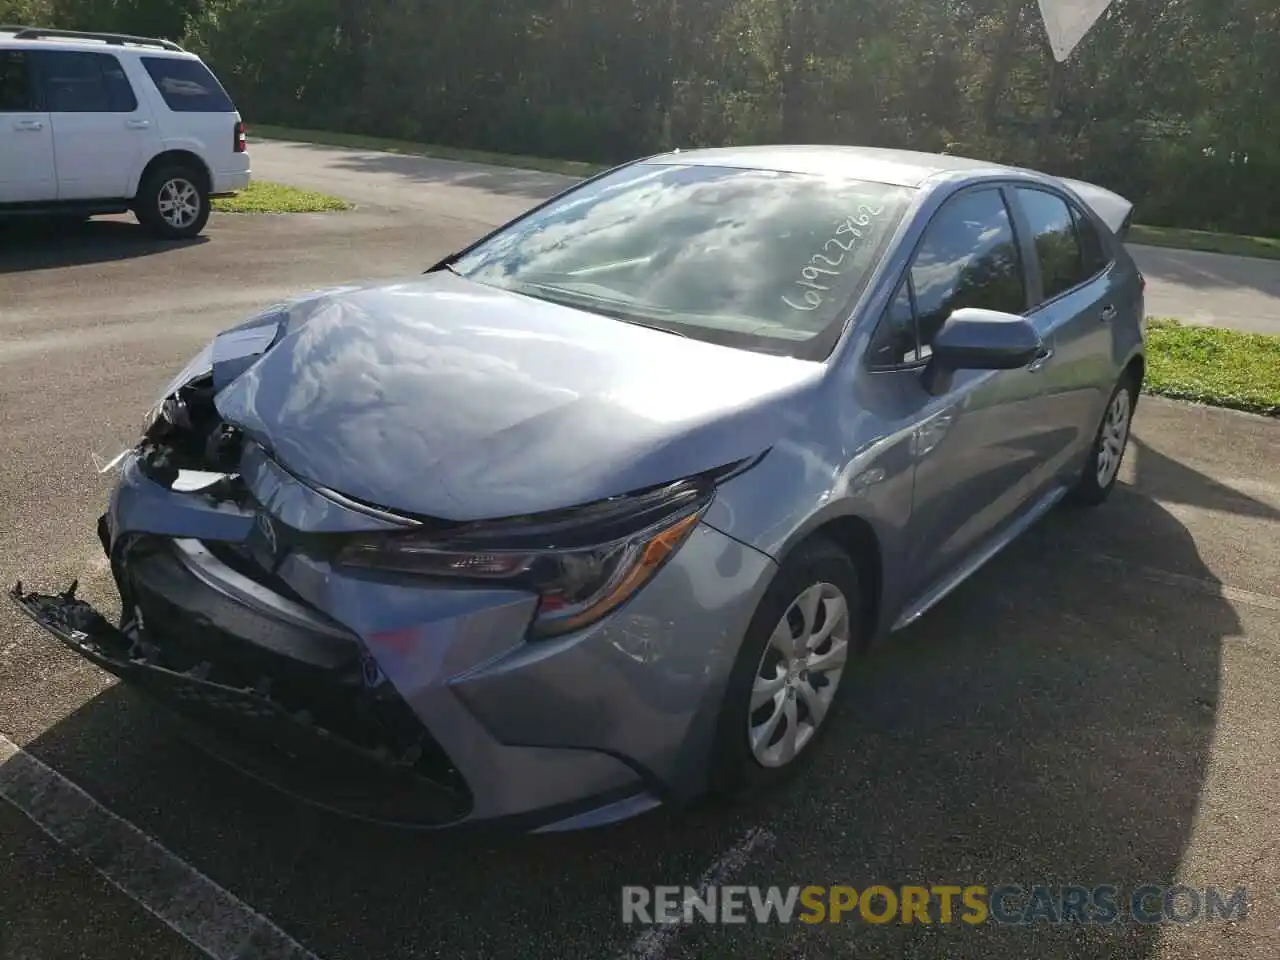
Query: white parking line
(174, 892)
(656, 942)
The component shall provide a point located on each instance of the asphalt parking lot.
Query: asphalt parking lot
(1096, 706)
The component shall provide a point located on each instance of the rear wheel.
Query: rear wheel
(1103, 466)
(173, 202)
(785, 684)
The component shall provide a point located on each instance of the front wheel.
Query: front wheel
(785, 685)
(173, 203)
(1103, 466)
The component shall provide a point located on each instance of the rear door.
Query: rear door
(102, 134)
(1075, 307)
(26, 138)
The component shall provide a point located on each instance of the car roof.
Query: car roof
(10, 40)
(904, 168)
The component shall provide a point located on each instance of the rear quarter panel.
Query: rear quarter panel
(210, 136)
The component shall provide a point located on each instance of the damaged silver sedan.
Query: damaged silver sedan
(597, 514)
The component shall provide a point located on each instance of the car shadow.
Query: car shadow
(38, 244)
(1049, 723)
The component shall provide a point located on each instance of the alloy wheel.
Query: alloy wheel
(179, 203)
(798, 675)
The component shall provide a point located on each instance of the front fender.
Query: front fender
(795, 493)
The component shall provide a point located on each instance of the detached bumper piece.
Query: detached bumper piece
(307, 713)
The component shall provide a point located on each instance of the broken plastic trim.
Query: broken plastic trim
(303, 759)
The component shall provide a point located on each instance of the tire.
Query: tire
(737, 766)
(1102, 468)
(173, 202)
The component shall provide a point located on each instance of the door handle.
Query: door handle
(1108, 313)
(1043, 357)
(137, 124)
(31, 125)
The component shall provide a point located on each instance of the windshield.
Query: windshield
(758, 259)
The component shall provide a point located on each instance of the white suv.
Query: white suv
(104, 123)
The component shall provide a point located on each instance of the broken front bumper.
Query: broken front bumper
(398, 699)
(256, 732)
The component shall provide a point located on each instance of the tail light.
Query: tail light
(242, 144)
(1142, 283)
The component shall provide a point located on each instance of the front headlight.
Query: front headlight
(582, 563)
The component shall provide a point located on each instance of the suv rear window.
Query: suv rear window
(187, 86)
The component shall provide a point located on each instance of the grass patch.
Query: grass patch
(571, 168)
(1263, 248)
(266, 197)
(1223, 368)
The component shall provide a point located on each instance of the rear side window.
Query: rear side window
(187, 86)
(1053, 229)
(84, 83)
(15, 82)
(1092, 249)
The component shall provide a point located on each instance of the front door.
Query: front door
(980, 446)
(26, 137)
(100, 133)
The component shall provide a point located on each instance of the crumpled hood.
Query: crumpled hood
(449, 399)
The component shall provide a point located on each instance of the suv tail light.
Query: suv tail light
(241, 144)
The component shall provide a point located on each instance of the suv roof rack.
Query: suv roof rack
(115, 39)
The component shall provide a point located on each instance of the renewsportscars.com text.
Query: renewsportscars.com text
(1008, 904)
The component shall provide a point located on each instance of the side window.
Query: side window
(15, 82)
(1092, 250)
(895, 341)
(969, 258)
(119, 90)
(1054, 231)
(187, 85)
(84, 83)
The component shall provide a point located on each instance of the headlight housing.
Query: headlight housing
(223, 358)
(583, 563)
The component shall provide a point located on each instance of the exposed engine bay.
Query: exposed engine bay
(188, 433)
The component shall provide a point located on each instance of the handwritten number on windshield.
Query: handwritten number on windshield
(849, 233)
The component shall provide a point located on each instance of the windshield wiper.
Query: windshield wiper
(446, 264)
(650, 326)
(615, 309)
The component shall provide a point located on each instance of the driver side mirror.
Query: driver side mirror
(974, 339)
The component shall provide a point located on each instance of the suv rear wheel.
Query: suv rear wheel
(173, 202)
